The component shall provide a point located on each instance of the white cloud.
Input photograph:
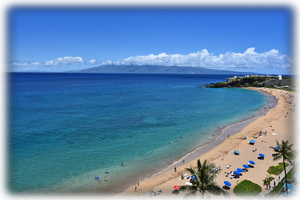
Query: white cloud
(67, 60)
(229, 60)
(249, 60)
(93, 61)
(25, 64)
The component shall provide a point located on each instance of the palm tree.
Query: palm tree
(204, 179)
(284, 151)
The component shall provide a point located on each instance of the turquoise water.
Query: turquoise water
(65, 129)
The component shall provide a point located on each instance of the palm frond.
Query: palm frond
(204, 179)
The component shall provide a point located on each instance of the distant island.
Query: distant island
(271, 81)
(154, 69)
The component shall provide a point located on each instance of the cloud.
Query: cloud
(25, 64)
(46, 65)
(93, 61)
(230, 60)
(249, 60)
(67, 60)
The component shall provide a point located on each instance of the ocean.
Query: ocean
(66, 128)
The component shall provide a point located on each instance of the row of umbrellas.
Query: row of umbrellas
(239, 170)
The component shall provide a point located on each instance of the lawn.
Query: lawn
(276, 170)
(247, 188)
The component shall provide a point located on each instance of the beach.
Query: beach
(277, 122)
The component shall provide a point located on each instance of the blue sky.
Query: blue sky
(61, 39)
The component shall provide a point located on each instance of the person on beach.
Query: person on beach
(105, 178)
(121, 163)
(182, 161)
(175, 168)
(135, 188)
(96, 177)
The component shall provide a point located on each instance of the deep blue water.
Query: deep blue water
(66, 128)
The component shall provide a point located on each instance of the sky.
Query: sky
(57, 39)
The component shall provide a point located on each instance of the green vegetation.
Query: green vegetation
(204, 180)
(222, 83)
(258, 84)
(276, 170)
(247, 188)
(256, 81)
(285, 152)
(289, 175)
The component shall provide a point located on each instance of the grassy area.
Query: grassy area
(276, 170)
(222, 83)
(247, 188)
(289, 175)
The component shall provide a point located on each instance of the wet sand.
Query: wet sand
(220, 150)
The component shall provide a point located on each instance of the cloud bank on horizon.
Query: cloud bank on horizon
(249, 60)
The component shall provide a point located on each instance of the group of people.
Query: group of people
(135, 187)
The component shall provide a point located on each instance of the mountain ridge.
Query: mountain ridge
(154, 69)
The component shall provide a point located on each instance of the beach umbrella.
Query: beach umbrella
(261, 155)
(252, 162)
(277, 147)
(227, 183)
(237, 173)
(252, 141)
(246, 166)
(239, 170)
(193, 177)
(237, 152)
(176, 187)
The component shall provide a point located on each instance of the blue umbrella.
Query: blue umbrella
(252, 162)
(252, 141)
(237, 173)
(261, 155)
(277, 147)
(246, 166)
(193, 177)
(239, 170)
(227, 183)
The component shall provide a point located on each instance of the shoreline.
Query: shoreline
(168, 175)
(219, 136)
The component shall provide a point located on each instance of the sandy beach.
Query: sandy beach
(277, 122)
